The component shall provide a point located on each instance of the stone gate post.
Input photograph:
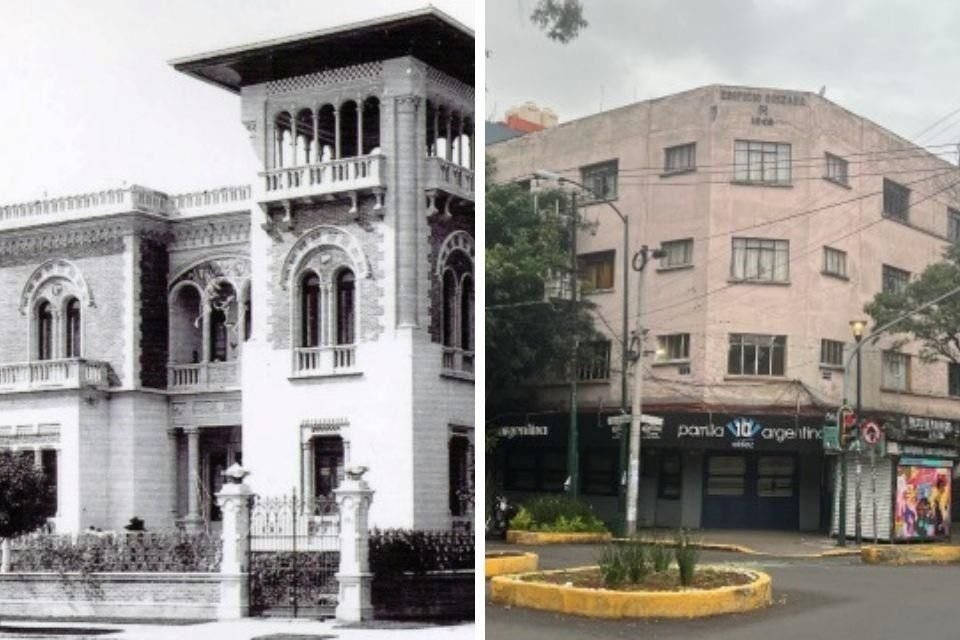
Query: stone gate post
(234, 502)
(353, 498)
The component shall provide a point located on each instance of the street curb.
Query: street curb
(736, 548)
(541, 537)
(604, 603)
(899, 555)
(517, 562)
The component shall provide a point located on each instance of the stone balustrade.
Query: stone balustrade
(203, 376)
(318, 361)
(324, 178)
(70, 373)
(450, 177)
(458, 362)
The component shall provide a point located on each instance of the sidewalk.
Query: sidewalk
(245, 629)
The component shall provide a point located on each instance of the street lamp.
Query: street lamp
(556, 177)
(857, 327)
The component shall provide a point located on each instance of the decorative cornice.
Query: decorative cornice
(191, 234)
(32, 242)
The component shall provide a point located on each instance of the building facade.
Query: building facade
(320, 318)
(780, 214)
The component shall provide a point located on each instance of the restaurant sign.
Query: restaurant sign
(747, 433)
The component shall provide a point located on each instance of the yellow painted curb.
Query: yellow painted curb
(911, 554)
(541, 537)
(498, 565)
(606, 603)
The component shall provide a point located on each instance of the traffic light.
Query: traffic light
(849, 431)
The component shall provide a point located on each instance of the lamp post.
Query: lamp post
(625, 270)
(857, 326)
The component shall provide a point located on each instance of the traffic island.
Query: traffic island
(716, 590)
(911, 554)
(544, 537)
(499, 563)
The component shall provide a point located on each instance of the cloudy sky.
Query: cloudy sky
(89, 101)
(896, 62)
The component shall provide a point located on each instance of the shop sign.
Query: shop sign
(746, 433)
(929, 428)
(920, 450)
(535, 430)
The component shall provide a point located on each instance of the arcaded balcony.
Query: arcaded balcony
(41, 375)
(444, 175)
(362, 173)
(450, 151)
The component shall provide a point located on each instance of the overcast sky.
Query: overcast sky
(88, 101)
(896, 62)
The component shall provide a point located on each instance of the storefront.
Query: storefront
(697, 470)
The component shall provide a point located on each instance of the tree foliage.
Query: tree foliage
(562, 20)
(529, 338)
(23, 494)
(936, 327)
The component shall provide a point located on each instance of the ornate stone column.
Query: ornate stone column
(316, 135)
(194, 521)
(359, 127)
(336, 132)
(353, 498)
(234, 502)
(409, 209)
(306, 450)
(175, 472)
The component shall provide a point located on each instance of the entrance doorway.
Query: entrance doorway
(751, 491)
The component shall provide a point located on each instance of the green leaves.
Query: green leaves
(562, 20)
(23, 493)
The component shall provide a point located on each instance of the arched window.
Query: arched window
(73, 328)
(449, 308)
(466, 313)
(346, 284)
(44, 331)
(310, 310)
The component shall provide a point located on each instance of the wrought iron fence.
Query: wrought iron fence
(294, 556)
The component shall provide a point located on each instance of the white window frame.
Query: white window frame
(598, 367)
(896, 278)
(831, 353)
(763, 347)
(895, 371)
(760, 260)
(763, 163)
(674, 347)
(836, 169)
(834, 262)
(677, 254)
(680, 158)
(603, 174)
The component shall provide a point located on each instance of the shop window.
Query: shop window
(895, 280)
(761, 162)
(760, 260)
(670, 482)
(600, 180)
(831, 353)
(896, 200)
(726, 476)
(757, 355)
(896, 371)
(673, 347)
(677, 253)
(834, 262)
(598, 472)
(836, 169)
(775, 476)
(680, 158)
(596, 271)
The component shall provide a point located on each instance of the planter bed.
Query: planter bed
(543, 537)
(578, 592)
(911, 554)
(498, 563)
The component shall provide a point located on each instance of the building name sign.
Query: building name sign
(933, 428)
(745, 433)
(524, 430)
(739, 95)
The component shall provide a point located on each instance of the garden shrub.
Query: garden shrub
(398, 551)
(557, 513)
(660, 556)
(624, 563)
(687, 556)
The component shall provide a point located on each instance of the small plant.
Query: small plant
(660, 556)
(634, 556)
(559, 514)
(687, 556)
(523, 521)
(612, 570)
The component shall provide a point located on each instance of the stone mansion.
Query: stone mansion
(320, 318)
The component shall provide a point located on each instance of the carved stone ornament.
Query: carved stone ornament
(456, 241)
(317, 238)
(55, 278)
(210, 271)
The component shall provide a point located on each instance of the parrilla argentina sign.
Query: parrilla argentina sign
(748, 433)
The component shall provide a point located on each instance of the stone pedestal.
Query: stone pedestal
(354, 497)
(234, 502)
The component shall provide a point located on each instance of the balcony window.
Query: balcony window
(594, 361)
(44, 331)
(449, 135)
(73, 328)
(346, 286)
(600, 180)
(760, 260)
(456, 302)
(310, 310)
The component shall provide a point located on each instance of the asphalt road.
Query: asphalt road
(837, 598)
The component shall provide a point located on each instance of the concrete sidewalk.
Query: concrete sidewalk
(245, 629)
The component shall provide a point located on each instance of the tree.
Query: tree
(24, 492)
(528, 335)
(937, 327)
(562, 20)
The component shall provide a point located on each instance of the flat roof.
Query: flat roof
(427, 34)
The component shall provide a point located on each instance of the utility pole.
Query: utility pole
(573, 453)
(636, 412)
